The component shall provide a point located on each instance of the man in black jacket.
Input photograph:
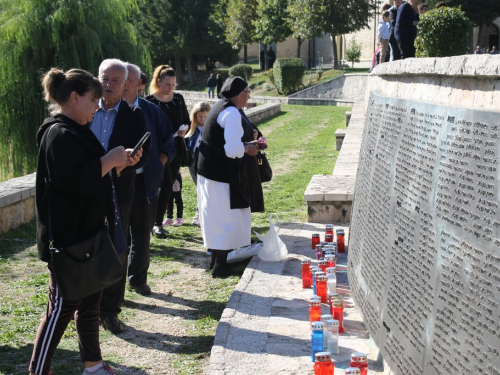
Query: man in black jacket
(393, 12)
(147, 181)
(117, 123)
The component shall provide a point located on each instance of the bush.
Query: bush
(288, 74)
(270, 74)
(353, 51)
(242, 70)
(443, 32)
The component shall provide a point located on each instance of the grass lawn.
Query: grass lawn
(172, 331)
(260, 78)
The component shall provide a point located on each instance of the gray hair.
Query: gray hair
(113, 63)
(134, 68)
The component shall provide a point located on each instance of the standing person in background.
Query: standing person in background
(77, 171)
(117, 123)
(405, 30)
(193, 137)
(211, 83)
(147, 181)
(393, 12)
(423, 8)
(142, 86)
(220, 82)
(222, 188)
(271, 57)
(172, 104)
(384, 32)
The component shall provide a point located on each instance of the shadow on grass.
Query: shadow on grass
(15, 360)
(17, 240)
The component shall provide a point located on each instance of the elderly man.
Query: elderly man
(393, 12)
(148, 180)
(223, 190)
(117, 123)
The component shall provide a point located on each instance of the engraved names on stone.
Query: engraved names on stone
(425, 236)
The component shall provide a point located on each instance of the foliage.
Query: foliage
(39, 34)
(288, 73)
(353, 51)
(480, 12)
(270, 74)
(242, 70)
(271, 25)
(241, 14)
(305, 19)
(443, 32)
(319, 70)
(344, 17)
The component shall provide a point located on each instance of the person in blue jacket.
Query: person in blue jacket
(193, 137)
(405, 30)
(147, 182)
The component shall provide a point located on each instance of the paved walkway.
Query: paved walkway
(265, 326)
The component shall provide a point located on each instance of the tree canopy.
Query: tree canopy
(305, 20)
(39, 34)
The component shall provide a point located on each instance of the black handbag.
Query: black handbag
(187, 156)
(86, 267)
(266, 173)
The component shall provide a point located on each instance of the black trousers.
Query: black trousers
(170, 172)
(407, 48)
(177, 197)
(141, 223)
(396, 54)
(57, 317)
(113, 295)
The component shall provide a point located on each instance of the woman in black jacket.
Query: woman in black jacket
(172, 103)
(77, 172)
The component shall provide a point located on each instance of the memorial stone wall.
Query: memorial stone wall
(424, 248)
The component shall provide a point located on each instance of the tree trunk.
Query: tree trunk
(266, 59)
(299, 43)
(479, 37)
(189, 59)
(335, 57)
(178, 68)
(245, 54)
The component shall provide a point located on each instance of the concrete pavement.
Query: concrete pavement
(265, 326)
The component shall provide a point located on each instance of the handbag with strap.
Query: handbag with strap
(266, 173)
(87, 267)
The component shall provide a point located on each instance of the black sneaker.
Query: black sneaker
(112, 324)
(159, 232)
(222, 273)
(143, 289)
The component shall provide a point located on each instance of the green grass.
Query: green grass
(301, 143)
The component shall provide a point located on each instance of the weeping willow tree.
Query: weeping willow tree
(36, 35)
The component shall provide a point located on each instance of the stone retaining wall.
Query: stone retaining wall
(348, 86)
(17, 202)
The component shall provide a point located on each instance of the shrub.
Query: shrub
(270, 74)
(353, 51)
(288, 74)
(443, 32)
(242, 70)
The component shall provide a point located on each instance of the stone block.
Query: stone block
(348, 115)
(339, 138)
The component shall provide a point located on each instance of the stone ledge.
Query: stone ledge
(478, 66)
(17, 189)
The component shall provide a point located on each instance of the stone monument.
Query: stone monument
(424, 254)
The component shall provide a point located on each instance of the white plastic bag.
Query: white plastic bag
(244, 252)
(274, 249)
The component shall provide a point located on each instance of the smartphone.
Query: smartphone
(140, 144)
